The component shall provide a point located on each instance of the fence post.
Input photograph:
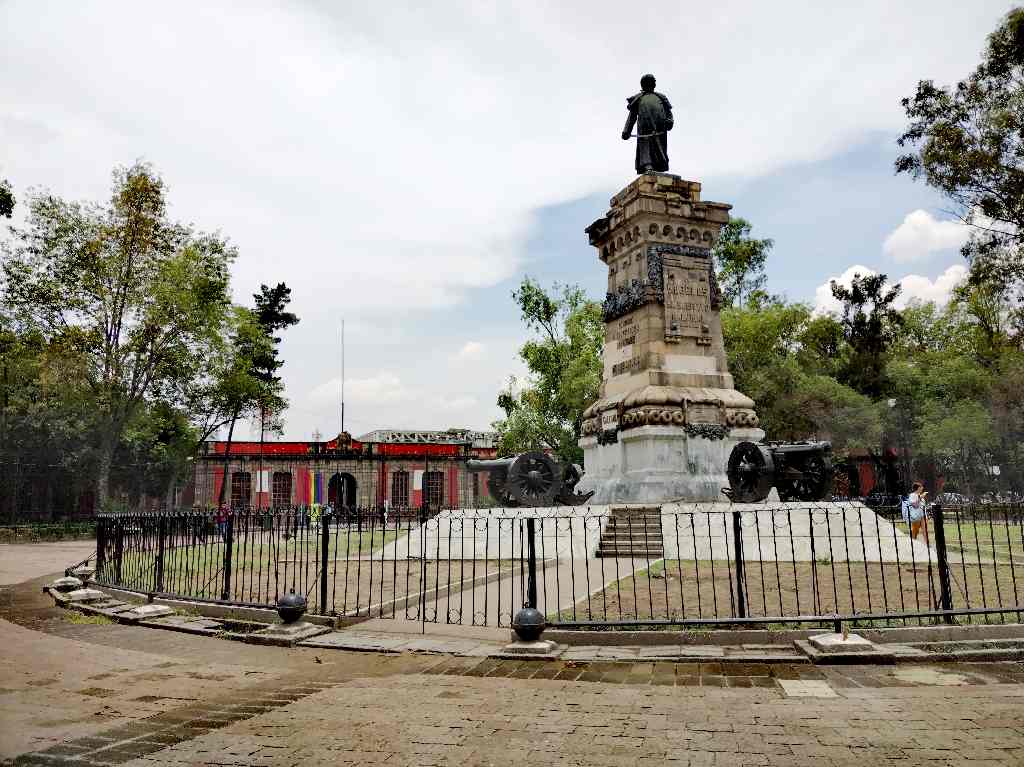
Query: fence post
(737, 536)
(325, 540)
(531, 547)
(158, 585)
(945, 596)
(119, 549)
(229, 537)
(101, 546)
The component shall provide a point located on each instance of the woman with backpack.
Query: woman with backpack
(914, 508)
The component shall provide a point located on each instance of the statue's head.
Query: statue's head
(647, 83)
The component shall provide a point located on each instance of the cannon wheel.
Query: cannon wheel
(812, 480)
(751, 472)
(498, 489)
(534, 479)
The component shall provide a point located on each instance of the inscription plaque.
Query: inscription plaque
(698, 413)
(687, 298)
(628, 366)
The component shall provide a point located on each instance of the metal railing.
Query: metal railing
(600, 567)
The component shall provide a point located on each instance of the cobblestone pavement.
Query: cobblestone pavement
(109, 694)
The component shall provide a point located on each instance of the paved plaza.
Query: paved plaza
(85, 693)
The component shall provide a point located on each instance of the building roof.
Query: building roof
(479, 439)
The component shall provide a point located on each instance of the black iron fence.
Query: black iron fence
(600, 567)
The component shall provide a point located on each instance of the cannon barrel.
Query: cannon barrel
(489, 464)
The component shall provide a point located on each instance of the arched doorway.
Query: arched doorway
(341, 491)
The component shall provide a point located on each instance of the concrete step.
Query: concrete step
(629, 554)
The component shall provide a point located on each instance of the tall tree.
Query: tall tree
(6, 198)
(740, 261)
(251, 383)
(137, 298)
(869, 321)
(564, 360)
(968, 142)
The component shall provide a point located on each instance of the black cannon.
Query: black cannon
(801, 471)
(531, 479)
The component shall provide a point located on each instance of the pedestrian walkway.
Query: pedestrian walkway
(95, 694)
(20, 562)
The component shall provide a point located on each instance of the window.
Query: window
(400, 489)
(241, 489)
(282, 489)
(476, 488)
(433, 486)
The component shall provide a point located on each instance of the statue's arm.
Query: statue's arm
(627, 131)
(669, 120)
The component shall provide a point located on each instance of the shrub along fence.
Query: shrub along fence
(677, 565)
(38, 532)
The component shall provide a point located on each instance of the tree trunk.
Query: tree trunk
(103, 463)
(227, 455)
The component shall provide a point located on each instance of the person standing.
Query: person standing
(221, 520)
(914, 509)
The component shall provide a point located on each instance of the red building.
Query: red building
(396, 469)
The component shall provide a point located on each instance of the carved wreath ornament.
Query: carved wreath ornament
(676, 416)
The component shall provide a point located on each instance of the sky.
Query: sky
(403, 166)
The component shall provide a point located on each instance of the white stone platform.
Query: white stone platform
(790, 532)
(795, 531)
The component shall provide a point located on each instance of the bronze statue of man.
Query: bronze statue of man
(651, 114)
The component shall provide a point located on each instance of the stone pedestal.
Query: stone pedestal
(667, 415)
(657, 464)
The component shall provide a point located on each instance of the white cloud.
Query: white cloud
(471, 350)
(939, 290)
(380, 389)
(915, 287)
(921, 234)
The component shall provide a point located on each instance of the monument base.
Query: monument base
(658, 464)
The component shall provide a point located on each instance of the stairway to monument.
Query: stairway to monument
(632, 532)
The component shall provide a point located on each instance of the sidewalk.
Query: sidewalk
(20, 562)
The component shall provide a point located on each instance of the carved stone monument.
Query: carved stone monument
(668, 414)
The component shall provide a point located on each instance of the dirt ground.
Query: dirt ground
(676, 589)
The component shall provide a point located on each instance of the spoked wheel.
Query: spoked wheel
(751, 472)
(534, 479)
(812, 481)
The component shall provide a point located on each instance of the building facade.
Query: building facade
(383, 469)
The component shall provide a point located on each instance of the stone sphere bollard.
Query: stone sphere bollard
(291, 607)
(529, 624)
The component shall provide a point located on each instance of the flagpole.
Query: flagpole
(343, 376)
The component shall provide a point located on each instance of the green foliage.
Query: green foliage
(967, 141)
(869, 325)
(6, 198)
(782, 356)
(129, 302)
(564, 360)
(741, 259)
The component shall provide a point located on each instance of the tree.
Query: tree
(869, 322)
(564, 361)
(968, 142)
(782, 356)
(6, 198)
(740, 259)
(960, 438)
(250, 383)
(138, 299)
